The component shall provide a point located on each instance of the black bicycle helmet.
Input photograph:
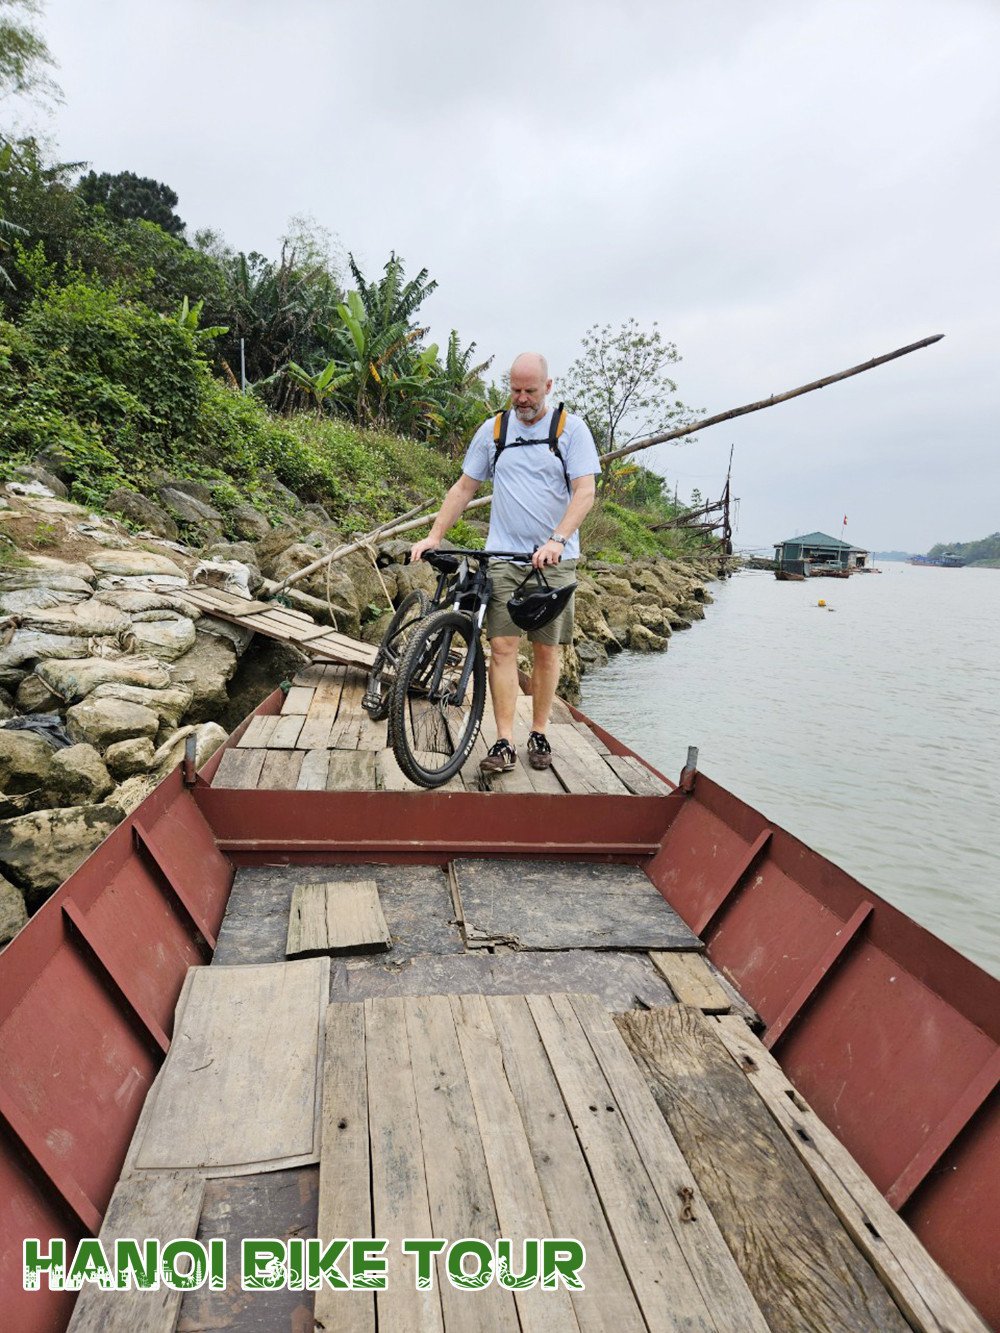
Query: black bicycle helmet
(533, 605)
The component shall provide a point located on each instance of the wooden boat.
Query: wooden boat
(838, 1170)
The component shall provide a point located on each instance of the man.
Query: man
(540, 498)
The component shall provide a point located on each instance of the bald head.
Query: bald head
(530, 363)
(529, 386)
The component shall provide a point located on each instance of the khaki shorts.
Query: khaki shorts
(506, 576)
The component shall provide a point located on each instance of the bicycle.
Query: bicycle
(429, 676)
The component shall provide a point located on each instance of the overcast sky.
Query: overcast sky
(788, 188)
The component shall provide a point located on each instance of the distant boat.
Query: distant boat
(946, 561)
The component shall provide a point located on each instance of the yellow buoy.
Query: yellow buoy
(821, 602)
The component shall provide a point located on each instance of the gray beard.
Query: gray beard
(526, 414)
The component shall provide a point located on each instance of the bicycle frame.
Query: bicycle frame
(461, 582)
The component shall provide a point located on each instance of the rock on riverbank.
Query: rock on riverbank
(105, 670)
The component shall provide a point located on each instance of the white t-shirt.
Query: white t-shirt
(530, 494)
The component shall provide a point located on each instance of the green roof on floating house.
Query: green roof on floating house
(816, 539)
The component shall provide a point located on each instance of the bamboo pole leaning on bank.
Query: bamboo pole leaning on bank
(407, 523)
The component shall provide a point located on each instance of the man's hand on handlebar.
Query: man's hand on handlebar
(548, 554)
(418, 548)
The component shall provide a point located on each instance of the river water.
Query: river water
(869, 729)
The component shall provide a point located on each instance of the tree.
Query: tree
(24, 55)
(619, 383)
(127, 195)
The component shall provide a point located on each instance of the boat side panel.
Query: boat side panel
(87, 992)
(26, 1210)
(859, 1000)
(871, 1027)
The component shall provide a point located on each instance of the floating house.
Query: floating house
(817, 554)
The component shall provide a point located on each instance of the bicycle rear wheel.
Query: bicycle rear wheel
(411, 609)
(431, 728)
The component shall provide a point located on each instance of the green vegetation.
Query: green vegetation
(985, 552)
(123, 348)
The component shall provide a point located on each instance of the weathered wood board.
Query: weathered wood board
(689, 977)
(344, 1172)
(565, 905)
(802, 1267)
(922, 1290)
(340, 916)
(163, 1207)
(239, 1090)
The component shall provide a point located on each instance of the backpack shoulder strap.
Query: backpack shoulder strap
(556, 427)
(499, 435)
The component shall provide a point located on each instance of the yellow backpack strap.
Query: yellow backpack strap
(498, 426)
(560, 421)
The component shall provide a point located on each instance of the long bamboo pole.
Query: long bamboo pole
(759, 406)
(406, 524)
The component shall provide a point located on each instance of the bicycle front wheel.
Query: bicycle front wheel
(380, 678)
(433, 719)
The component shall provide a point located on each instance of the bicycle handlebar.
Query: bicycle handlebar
(523, 556)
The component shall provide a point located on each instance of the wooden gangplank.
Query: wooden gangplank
(275, 621)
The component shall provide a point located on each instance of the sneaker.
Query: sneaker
(539, 750)
(500, 758)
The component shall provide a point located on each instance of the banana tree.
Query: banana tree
(326, 383)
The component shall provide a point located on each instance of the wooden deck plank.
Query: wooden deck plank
(660, 1278)
(340, 916)
(344, 1184)
(225, 1101)
(699, 1239)
(258, 732)
(371, 735)
(689, 977)
(308, 677)
(313, 773)
(516, 1189)
(458, 1184)
(162, 1207)
(552, 905)
(574, 1209)
(636, 776)
(344, 732)
(587, 766)
(326, 699)
(591, 737)
(280, 770)
(239, 768)
(801, 1266)
(298, 699)
(400, 1206)
(924, 1292)
(286, 734)
(351, 770)
(315, 733)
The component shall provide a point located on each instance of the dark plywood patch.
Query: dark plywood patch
(416, 901)
(281, 1204)
(573, 905)
(620, 980)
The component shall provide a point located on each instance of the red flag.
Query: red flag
(845, 520)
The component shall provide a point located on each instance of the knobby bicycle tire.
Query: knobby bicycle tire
(378, 691)
(432, 739)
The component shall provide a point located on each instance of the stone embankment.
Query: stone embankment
(105, 670)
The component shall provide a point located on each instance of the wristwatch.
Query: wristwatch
(558, 537)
